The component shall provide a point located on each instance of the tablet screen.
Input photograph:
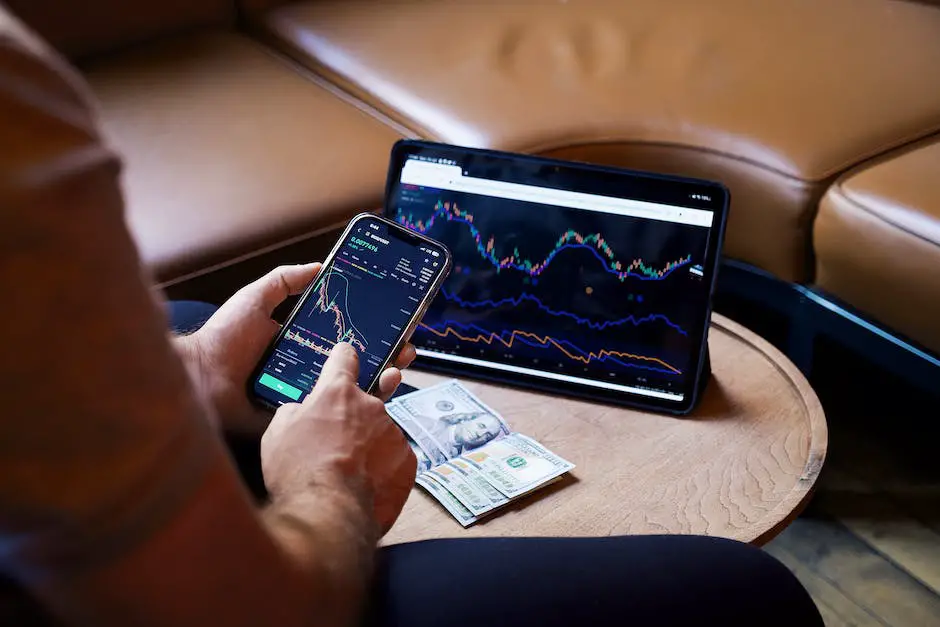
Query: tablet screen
(574, 276)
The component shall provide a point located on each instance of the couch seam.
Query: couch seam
(548, 147)
(247, 256)
(313, 71)
(840, 190)
(292, 64)
(885, 149)
(890, 155)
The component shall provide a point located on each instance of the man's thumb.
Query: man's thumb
(343, 363)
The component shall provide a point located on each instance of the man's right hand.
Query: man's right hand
(341, 439)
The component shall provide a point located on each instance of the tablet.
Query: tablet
(567, 277)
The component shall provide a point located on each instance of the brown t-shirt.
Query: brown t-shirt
(102, 437)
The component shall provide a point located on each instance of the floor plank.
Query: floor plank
(914, 491)
(883, 522)
(921, 501)
(836, 608)
(830, 618)
(874, 584)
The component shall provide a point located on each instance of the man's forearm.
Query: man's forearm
(330, 536)
(188, 352)
(327, 532)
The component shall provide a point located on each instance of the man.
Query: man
(119, 504)
(110, 468)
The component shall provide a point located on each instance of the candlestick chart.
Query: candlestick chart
(593, 242)
(332, 299)
(365, 297)
(575, 292)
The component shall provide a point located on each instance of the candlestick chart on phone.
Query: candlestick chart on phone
(547, 287)
(330, 304)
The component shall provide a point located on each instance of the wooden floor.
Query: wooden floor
(868, 546)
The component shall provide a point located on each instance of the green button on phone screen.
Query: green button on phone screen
(279, 386)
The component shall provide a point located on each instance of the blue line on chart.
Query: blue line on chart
(597, 326)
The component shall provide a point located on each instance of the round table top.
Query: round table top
(741, 466)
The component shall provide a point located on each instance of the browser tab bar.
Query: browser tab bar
(451, 178)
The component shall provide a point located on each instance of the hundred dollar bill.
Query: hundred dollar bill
(460, 486)
(430, 450)
(517, 464)
(452, 419)
(476, 478)
(423, 462)
(457, 509)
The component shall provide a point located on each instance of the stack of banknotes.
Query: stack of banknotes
(468, 457)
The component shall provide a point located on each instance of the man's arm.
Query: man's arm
(214, 562)
(118, 505)
(329, 533)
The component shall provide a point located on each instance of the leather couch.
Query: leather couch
(249, 125)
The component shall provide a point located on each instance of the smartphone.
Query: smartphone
(372, 291)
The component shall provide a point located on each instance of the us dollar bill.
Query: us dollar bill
(457, 509)
(424, 463)
(469, 492)
(468, 458)
(447, 420)
(474, 476)
(517, 464)
(430, 450)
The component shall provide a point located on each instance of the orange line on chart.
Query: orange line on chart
(545, 340)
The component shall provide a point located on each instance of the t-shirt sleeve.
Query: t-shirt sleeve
(102, 437)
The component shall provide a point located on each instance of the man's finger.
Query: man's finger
(405, 356)
(389, 381)
(273, 288)
(343, 364)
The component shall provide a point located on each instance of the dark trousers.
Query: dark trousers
(549, 582)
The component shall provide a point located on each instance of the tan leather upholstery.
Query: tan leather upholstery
(80, 28)
(877, 241)
(227, 150)
(774, 98)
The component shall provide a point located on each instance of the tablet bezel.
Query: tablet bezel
(698, 362)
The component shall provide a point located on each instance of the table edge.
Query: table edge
(796, 501)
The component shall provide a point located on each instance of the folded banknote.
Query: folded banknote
(469, 459)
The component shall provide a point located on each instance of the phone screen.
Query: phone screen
(367, 295)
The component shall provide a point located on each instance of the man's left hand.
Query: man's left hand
(224, 352)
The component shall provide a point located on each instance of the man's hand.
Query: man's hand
(227, 348)
(340, 441)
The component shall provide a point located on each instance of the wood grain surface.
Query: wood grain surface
(741, 466)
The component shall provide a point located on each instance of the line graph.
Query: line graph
(475, 334)
(346, 330)
(595, 243)
(526, 297)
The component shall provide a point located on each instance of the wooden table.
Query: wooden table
(741, 466)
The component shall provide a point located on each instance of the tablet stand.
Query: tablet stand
(706, 372)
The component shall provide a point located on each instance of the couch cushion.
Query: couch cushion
(81, 28)
(877, 241)
(228, 149)
(774, 98)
